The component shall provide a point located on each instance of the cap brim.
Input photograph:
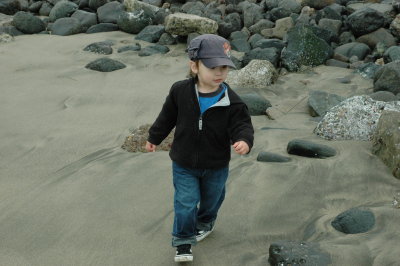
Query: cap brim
(217, 61)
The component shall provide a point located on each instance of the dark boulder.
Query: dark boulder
(353, 49)
(365, 20)
(304, 48)
(99, 48)
(388, 78)
(110, 12)
(9, 7)
(272, 157)
(151, 33)
(105, 65)
(87, 19)
(62, 9)
(134, 47)
(270, 54)
(368, 70)
(285, 253)
(270, 43)
(232, 22)
(256, 104)
(66, 26)
(103, 27)
(154, 49)
(167, 39)
(392, 54)
(354, 221)
(28, 23)
(320, 102)
(134, 22)
(309, 149)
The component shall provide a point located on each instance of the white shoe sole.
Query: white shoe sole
(200, 238)
(183, 258)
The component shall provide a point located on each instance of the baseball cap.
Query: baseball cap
(211, 49)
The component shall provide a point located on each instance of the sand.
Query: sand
(69, 195)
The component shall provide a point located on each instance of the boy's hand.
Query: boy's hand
(241, 147)
(150, 147)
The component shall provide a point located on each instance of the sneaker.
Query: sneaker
(201, 234)
(184, 253)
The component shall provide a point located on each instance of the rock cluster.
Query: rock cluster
(288, 34)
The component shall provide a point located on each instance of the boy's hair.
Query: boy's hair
(191, 74)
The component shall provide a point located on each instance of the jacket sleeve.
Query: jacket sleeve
(165, 121)
(240, 126)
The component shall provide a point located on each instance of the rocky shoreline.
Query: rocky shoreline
(270, 38)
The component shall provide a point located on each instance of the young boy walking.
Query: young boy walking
(209, 117)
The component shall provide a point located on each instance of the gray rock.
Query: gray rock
(270, 43)
(28, 23)
(285, 253)
(45, 9)
(256, 104)
(317, 4)
(159, 17)
(354, 221)
(319, 102)
(105, 65)
(10, 7)
(62, 9)
(304, 48)
(35, 7)
(240, 45)
(257, 74)
(282, 26)
(329, 12)
(270, 54)
(154, 49)
(383, 96)
(134, 47)
(309, 149)
(99, 48)
(157, 3)
(110, 12)
(346, 37)
(95, 4)
(194, 8)
(232, 22)
(272, 157)
(254, 39)
(395, 26)
(392, 54)
(183, 24)
(368, 70)
(364, 21)
(87, 19)
(103, 27)
(134, 22)
(167, 39)
(252, 13)
(279, 13)
(260, 25)
(6, 38)
(386, 141)
(66, 26)
(11, 30)
(353, 119)
(331, 25)
(292, 5)
(380, 35)
(151, 33)
(350, 49)
(388, 78)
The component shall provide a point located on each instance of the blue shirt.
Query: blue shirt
(206, 100)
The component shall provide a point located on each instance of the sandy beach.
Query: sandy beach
(69, 195)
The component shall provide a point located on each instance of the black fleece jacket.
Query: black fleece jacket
(201, 141)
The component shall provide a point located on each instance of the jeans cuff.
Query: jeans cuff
(205, 226)
(176, 241)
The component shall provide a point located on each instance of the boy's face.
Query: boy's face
(209, 77)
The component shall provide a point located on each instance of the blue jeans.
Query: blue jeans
(198, 196)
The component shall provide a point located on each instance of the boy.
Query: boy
(208, 117)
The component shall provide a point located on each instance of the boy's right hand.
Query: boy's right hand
(150, 147)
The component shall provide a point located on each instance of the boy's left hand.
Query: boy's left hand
(241, 147)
